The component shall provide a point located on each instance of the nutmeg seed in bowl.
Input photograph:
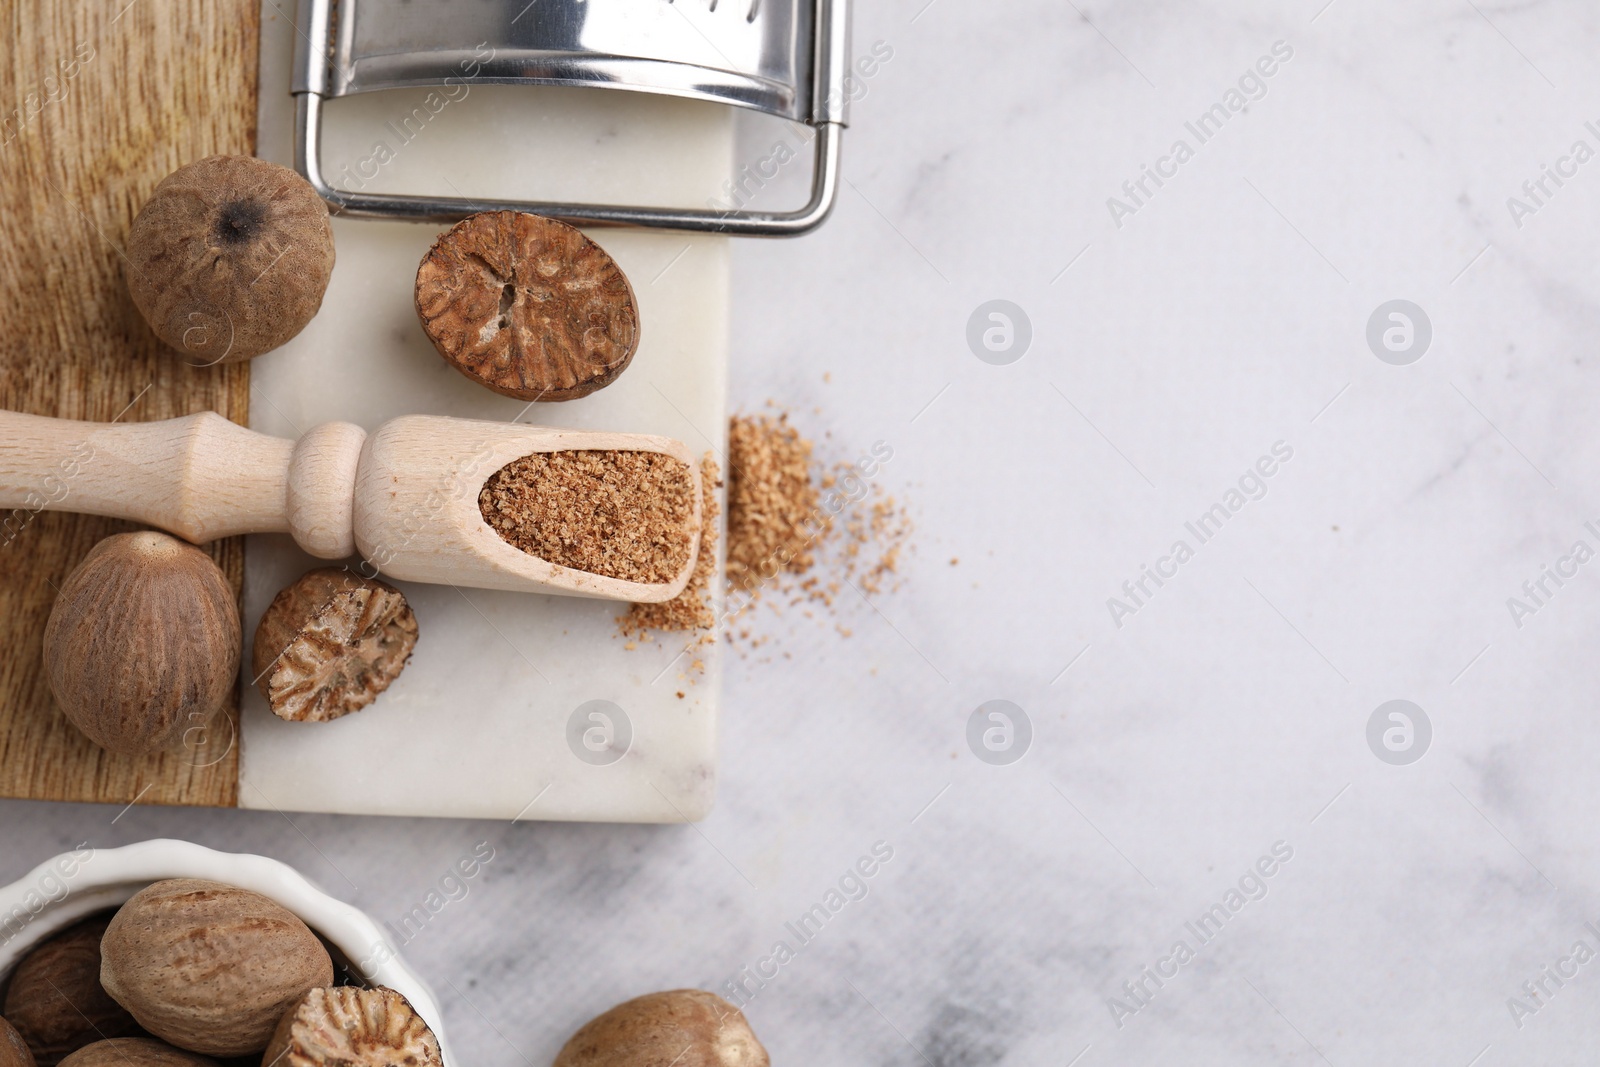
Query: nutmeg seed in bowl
(135, 1052)
(209, 967)
(55, 1000)
(679, 1028)
(13, 1050)
(143, 642)
(330, 643)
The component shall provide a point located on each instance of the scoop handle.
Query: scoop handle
(200, 476)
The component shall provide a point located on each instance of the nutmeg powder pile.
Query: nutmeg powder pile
(800, 534)
(619, 514)
(773, 513)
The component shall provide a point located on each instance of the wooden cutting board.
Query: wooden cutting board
(98, 102)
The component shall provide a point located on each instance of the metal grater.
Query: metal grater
(787, 58)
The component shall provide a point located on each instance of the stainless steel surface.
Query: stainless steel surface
(756, 53)
(831, 63)
(787, 58)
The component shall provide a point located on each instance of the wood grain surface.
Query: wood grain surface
(98, 102)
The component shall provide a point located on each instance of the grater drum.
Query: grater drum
(786, 58)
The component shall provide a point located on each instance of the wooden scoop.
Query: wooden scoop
(406, 497)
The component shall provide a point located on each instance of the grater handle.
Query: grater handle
(739, 223)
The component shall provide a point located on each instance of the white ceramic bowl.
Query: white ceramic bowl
(57, 893)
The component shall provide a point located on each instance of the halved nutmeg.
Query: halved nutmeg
(527, 306)
(330, 643)
(348, 1026)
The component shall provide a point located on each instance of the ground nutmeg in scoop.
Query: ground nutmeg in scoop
(615, 513)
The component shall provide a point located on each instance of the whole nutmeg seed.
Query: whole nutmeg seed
(209, 967)
(55, 1000)
(13, 1050)
(680, 1028)
(527, 306)
(143, 642)
(330, 643)
(351, 1027)
(229, 258)
(134, 1052)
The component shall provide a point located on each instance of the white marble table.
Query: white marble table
(1228, 714)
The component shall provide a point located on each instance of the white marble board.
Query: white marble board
(478, 723)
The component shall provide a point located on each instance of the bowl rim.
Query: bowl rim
(86, 880)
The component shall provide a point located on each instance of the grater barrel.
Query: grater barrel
(786, 58)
